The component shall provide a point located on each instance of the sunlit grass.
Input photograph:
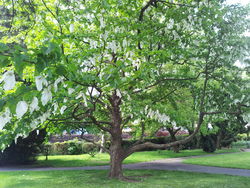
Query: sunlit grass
(234, 160)
(103, 159)
(98, 179)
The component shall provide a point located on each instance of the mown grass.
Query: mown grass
(234, 160)
(98, 179)
(103, 159)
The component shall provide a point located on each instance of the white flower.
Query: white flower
(46, 96)
(209, 126)
(55, 105)
(85, 100)
(40, 81)
(58, 80)
(173, 124)
(63, 108)
(33, 124)
(9, 80)
(93, 91)
(118, 93)
(71, 28)
(171, 24)
(44, 117)
(70, 91)
(124, 43)
(21, 109)
(102, 24)
(34, 105)
(5, 118)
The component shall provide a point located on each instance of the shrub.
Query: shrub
(72, 147)
(24, 150)
(208, 143)
(241, 144)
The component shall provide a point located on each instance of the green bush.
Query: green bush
(241, 137)
(24, 150)
(208, 143)
(241, 144)
(71, 147)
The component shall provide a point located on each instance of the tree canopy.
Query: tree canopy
(104, 64)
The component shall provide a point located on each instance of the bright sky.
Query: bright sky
(243, 2)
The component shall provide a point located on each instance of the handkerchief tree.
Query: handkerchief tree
(102, 64)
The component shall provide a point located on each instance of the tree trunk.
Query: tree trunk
(116, 161)
(116, 150)
(218, 141)
(176, 148)
(102, 143)
(172, 133)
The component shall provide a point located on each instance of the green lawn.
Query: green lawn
(234, 160)
(103, 159)
(98, 179)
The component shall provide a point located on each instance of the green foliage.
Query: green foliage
(208, 143)
(25, 150)
(72, 147)
(241, 144)
(165, 64)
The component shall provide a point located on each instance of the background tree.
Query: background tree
(98, 64)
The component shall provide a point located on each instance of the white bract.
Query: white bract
(58, 80)
(55, 105)
(46, 96)
(102, 24)
(71, 28)
(5, 118)
(209, 126)
(34, 105)
(34, 123)
(21, 109)
(40, 82)
(44, 117)
(70, 91)
(9, 80)
(63, 108)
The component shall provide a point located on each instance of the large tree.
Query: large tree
(105, 64)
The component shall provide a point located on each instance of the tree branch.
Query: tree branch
(167, 79)
(92, 141)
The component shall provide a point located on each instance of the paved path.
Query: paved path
(164, 164)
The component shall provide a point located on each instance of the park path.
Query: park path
(163, 164)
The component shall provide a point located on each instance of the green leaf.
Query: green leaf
(19, 63)
(11, 103)
(61, 70)
(4, 61)
(40, 65)
(3, 47)
(2, 103)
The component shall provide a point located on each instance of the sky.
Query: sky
(243, 2)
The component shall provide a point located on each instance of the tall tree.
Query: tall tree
(101, 64)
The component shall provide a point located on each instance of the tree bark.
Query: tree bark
(218, 141)
(116, 150)
(172, 132)
(102, 143)
(116, 159)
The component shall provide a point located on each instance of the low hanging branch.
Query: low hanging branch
(99, 145)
